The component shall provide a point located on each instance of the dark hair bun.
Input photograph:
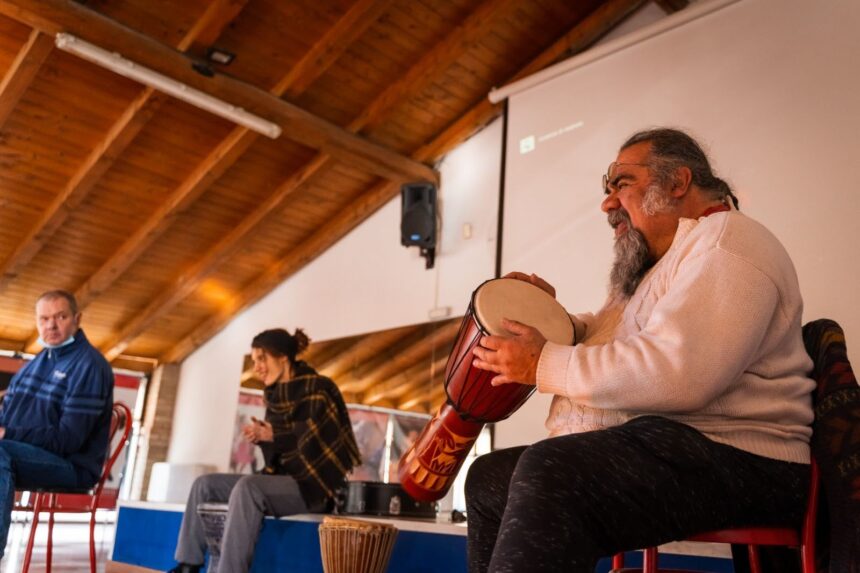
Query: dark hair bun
(301, 339)
(279, 342)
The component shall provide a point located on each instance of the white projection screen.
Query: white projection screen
(772, 90)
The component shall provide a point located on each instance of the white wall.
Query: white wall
(366, 282)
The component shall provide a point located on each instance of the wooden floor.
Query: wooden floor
(71, 547)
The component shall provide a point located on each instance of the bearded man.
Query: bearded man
(687, 405)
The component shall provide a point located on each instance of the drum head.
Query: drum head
(524, 302)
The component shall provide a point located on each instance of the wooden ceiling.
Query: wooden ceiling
(166, 220)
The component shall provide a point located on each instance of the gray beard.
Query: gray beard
(632, 259)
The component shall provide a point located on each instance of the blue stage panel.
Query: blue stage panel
(146, 536)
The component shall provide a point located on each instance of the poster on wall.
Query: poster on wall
(245, 457)
(370, 429)
(382, 435)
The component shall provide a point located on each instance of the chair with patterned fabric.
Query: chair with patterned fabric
(836, 446)
(835, 471)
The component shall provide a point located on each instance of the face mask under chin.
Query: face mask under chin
(66, 342)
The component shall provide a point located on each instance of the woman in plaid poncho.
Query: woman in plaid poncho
(306, 440)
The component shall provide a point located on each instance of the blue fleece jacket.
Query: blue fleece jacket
(61, 402)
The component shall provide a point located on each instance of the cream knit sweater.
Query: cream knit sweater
(711, 338)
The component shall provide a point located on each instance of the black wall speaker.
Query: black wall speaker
(418, 215)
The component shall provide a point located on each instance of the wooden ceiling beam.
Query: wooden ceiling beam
(580, 37)
(323, 351)
(209, 27)
(335, 347)
(418, 339)
(275, 274)
(356, 381)
(432, 397)
(433, 63)
(54, 16)
(204, 174)
(432, 340)
(187, 282)
(441, 56)
(366, 347)
(123, 131)
(224, 155)
(23, 70)
(102, 156)
(403, 356)
(331, 46)
(672, 6)
(405, 381)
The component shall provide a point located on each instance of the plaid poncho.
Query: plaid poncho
(313, 440)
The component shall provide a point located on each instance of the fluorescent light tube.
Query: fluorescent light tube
(116, 63)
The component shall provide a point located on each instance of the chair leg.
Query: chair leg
(755, 562)
(93, 541)
(28, 554)
(649, 560)
(52, 504)
(807, 559)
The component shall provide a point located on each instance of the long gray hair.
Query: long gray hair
(672, 148)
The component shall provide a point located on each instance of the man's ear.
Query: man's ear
(681, 182)
(78, 319)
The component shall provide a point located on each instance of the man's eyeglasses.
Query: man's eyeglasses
(607, 178)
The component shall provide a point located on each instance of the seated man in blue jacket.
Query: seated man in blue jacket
(55, 417)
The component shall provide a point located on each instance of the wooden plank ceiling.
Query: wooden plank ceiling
(166, 220)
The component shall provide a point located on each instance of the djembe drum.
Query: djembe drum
(355, 546)
(428, 468)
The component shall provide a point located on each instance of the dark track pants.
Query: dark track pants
(563, 503)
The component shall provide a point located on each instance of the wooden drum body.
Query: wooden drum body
(355, 546)
(429, 467)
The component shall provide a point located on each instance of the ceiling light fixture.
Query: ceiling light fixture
(220, 56)
(116, 63)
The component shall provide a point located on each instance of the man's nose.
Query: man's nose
(609, 202)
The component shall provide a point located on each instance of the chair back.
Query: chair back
(120, 423)
(836, 442)
(96, 498)
(835, 469)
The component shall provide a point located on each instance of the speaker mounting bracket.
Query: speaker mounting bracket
(429, 255)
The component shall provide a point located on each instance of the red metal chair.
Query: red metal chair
(77, 501)
(752, 537)
(834, 444)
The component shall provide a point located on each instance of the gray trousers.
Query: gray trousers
(249, 498)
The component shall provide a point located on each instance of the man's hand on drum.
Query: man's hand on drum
(513, 358)
(532, 279)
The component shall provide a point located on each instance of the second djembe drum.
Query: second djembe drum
(355, 546)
